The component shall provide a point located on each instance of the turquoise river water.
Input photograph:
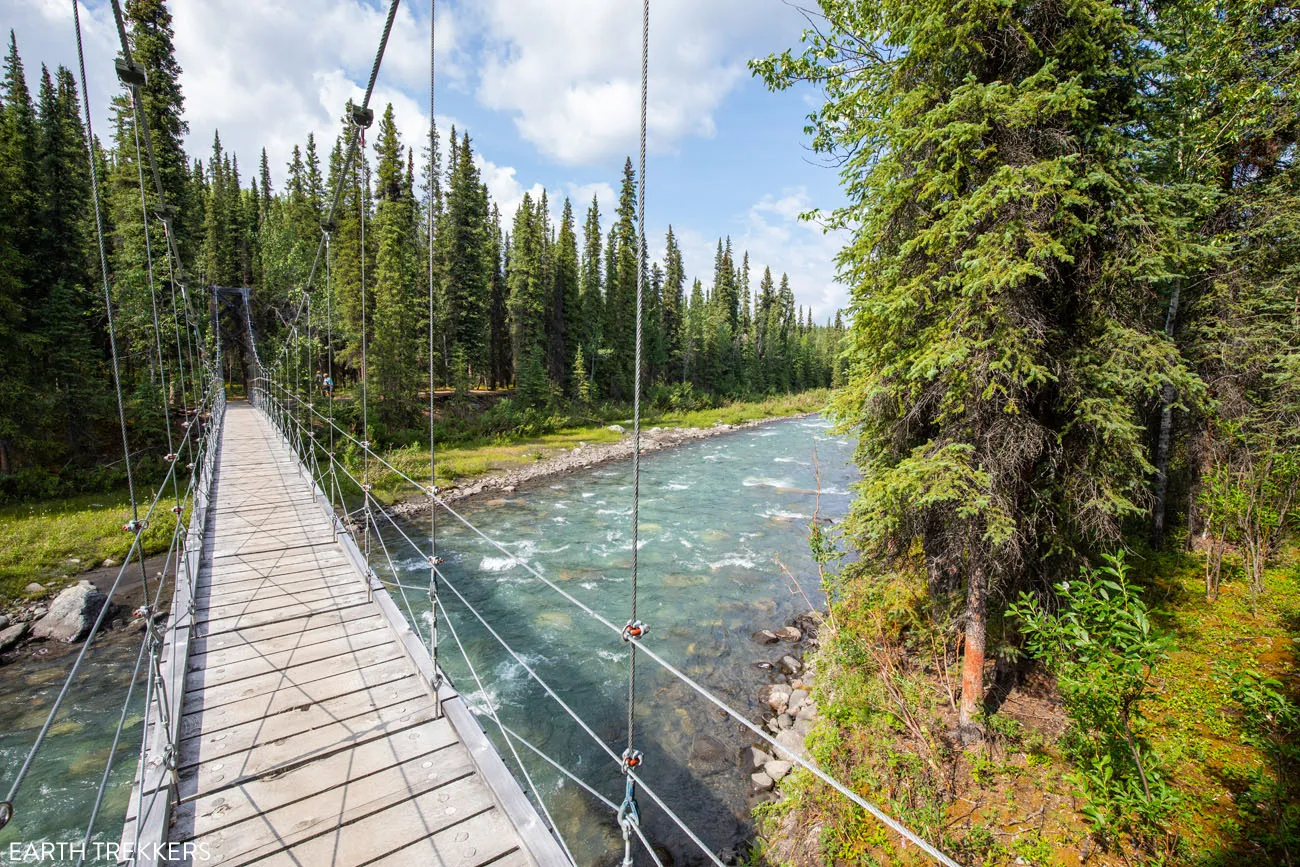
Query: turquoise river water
(718, 518)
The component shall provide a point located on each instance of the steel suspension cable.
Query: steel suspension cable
(103, 264)
(632, 632)
(433, 476)
(365, 366)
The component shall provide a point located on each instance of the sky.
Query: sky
(547, 89)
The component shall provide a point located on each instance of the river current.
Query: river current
(723, 540)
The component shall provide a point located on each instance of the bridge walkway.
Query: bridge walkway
(309, 731)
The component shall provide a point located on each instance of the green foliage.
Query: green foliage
(1102, 648)
(1271, 723)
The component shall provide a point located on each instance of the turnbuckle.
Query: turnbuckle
(634, 629)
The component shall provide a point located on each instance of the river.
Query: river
(715, 517)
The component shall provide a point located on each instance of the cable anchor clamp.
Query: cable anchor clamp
(629, 817)
(177, 510)
(171, 458)
(365, 444)
(135, 526)
(631, 759)
(366, 488)
(6, 813)
(363, 116)
(130, 74)
(435, 561)
(431, 490)
(634, 629)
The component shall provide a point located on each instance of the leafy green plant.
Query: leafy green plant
(1102, 648)
(1271, 723)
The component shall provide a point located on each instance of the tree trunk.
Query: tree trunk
(1166, 424)
(972, 672)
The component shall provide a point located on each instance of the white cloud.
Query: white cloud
(569, 73)
(504, 188)
(281, 69)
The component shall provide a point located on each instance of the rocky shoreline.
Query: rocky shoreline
(581, 457)
(788, 709)
(43, 623)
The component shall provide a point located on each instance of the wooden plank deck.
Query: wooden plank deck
(309, 732)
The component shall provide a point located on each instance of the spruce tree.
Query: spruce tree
(1003, 345)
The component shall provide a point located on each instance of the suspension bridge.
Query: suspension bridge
(296, 711)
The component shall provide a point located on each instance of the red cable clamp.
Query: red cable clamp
(632, 759)
(133, 526)
(189, 466)
(365, 444)
(431, 490)
(435, 561)
(177, 510)
(634, 629)
(169, 458)
(366, 488)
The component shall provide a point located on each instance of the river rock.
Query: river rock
(792, 741)
(776, 769)
(757, 758)
(4, 622)
(789, 633)
(33, 588)
(72, 614)
(762, 781)
(10, 636)
(765, 636)
(798, 698)
(708, 753)
(777, 697)
(790, 665)
(784, 721)
(807, 712)
(802, 727)
(617, 428)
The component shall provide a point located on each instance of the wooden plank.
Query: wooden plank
(285, 613)
(279, 756)
(289, 696)
(203, 815)
(391, 703)
(272, 598)
(230, 646)
(245, 680)
(325, 813)
(453, 828)
(289, 650)
(217, 635)
(342, 650)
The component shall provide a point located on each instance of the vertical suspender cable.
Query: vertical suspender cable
(103, 264)
(365, 367)
(433, 476)
(632, 632)
(329, 367)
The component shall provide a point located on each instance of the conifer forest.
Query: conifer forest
(540, 305)
(1059, 622)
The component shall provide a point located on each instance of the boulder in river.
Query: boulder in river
(765, 636)
(708, 754)
(777, 697)
(72, 613)
(757, 758)
(762, 781)
(797, 700)
(10, 636)
(790, 665)
(789, 633)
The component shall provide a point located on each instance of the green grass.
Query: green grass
(50, 542)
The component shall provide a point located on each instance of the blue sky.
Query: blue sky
(548, 90)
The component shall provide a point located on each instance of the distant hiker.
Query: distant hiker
(327, 386)
(320, 381)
